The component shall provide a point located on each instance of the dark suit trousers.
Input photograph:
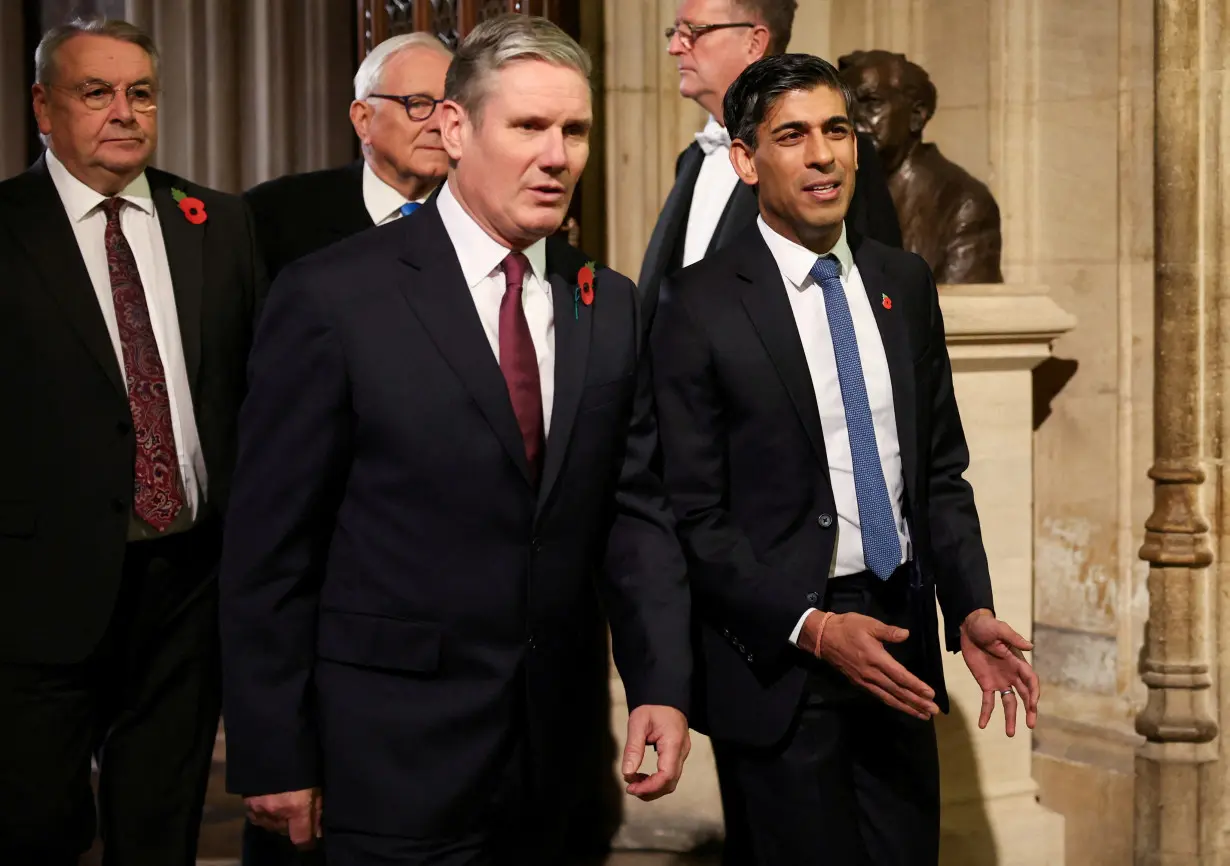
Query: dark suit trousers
(144, 703)
(854, 783)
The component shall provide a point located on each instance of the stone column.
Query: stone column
(1178, 779)
(648, 124)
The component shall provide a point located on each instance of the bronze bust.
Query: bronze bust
(947, 216)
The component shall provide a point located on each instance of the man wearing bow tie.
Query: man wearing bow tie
(395, 114)
(712, 41)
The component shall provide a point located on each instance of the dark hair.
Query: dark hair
(777, 16)
(910, 78)
(760, 85)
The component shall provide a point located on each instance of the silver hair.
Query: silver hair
(505, 39)
(113, 28)
(367, 79)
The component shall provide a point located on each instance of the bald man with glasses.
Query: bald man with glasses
(397, 89)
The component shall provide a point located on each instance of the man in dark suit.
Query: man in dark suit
(814, 456)
(445, 453)
(396, 94)
(126, 312)
(713, 41)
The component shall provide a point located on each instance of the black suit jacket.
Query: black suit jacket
(397, 598)
(301, 213)
(67, 444)
(746, 469)
(871, 214)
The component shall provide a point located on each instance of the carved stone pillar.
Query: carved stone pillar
(1178, 777)
(648, 124)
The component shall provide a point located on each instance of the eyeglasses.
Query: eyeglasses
(689, 33)
(97, 95)
(418, 106)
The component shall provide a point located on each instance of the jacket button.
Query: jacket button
(750, 660)
(813, 597)
(532, 642)
(825, 520)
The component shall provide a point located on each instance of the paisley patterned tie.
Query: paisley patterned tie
(157, 496)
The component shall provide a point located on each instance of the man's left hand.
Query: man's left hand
(666, 729)
(994, 654)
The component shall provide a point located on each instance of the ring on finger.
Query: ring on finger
(1005, 692)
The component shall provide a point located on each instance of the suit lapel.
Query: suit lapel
(667, 233)
(741, 210)
(437, 292)
(764, 298)
(894, 336)
(185, 246)
(43, 228)
(573, 327)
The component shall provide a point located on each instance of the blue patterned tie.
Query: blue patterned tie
(881, 545)
(409, 208)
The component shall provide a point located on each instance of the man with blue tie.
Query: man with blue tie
(814, 456)
(397, 93)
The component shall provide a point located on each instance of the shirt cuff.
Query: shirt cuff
(798, 629)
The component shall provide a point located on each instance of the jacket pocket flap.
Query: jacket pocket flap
(378, 641)
(16, 519)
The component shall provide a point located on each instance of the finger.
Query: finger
(1010, 636)
(988, 708)
(1031, 709)
(917, 704)
(1035, 685)
(300, 826)
(895, 671)
(318, 816)
(889, 633)
(1010, 705)
(891, 701)
(634, 751)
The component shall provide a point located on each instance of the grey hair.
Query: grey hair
(367, 79)
(505, 39)
(113, 28)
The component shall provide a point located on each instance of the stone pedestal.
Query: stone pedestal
(996, 336)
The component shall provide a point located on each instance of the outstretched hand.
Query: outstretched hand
(995, 655)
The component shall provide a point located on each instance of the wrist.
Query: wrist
(824, 623)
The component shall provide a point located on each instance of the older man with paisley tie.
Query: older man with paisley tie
(126, 313)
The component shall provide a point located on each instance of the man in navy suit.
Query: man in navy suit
(814, 456)
(444, 463)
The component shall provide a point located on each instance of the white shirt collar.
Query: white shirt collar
(796, 261)
(80, 200)
(380, 199)
(480, 254)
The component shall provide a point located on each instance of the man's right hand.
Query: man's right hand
(295, 814)
(854, 644)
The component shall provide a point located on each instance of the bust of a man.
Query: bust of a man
(947, 216)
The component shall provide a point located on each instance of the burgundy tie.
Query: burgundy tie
(519, 362)
(157, 498)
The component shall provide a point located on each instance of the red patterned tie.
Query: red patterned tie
(157, 498)
(519, 361)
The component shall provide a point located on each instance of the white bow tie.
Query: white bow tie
(713, 138)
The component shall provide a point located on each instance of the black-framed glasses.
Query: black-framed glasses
(97, 95)
(419, 106)
(689, 33)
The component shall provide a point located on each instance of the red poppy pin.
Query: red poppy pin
(193, 208)
(584, 292)
(886, 302)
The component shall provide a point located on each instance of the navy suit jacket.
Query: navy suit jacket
(398, 600)
(746, 467)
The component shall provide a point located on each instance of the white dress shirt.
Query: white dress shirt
(139, 222)
(807, 303)
(716, 181)
(481, 257)
(383, 203)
